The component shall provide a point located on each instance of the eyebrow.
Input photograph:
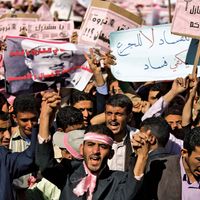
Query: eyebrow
(198, 158)
(5, 129)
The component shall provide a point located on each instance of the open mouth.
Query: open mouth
(95, 159)
(114, 125)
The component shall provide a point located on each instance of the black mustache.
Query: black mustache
(96, 156)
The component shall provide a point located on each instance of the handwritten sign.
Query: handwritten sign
(149, 53)
(186, 18)
(101, 19)
(50, 30)
(32, 65)
(36, 29)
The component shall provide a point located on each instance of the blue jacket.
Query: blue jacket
(14, 165)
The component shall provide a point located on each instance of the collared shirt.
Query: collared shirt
(19, 144)
(122, 152)
(156, 109)
(190, 191)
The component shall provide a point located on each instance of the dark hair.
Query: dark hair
(4, 116)
(68, 116)
(179, 101)
(157, 87)
(192, 139)
(101, 129)
(120, 100)
(173, 110)
(77, 96)
(3, 101)
(159, 128)
(25, 103)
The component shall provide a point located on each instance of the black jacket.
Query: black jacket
(111, 185)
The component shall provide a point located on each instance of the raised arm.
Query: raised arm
(51, 170)
(50, 102)
(187, 110)
(179, 85)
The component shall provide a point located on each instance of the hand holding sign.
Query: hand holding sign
(94, 62)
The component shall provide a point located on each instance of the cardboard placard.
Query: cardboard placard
(186, 22)
(186, 18)
(101, 19)
(36, 29)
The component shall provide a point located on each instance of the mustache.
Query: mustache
(113, 122)
(95, 156)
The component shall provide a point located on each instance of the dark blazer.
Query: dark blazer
(14, 165)
(162, 180)
(111, 185)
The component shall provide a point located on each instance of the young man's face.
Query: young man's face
(116, 118)
(5, 133)
(193, 161)
(86, 107)
(174, 121)
(95, 154)
(26, 121)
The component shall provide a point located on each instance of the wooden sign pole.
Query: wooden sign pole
(170, 11)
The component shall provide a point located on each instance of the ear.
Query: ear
(111, 154)
(81, 149)
(184, 153)
(14, 117)
(11, 109)
(152, 140)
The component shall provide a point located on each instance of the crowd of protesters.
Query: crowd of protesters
(113, 140)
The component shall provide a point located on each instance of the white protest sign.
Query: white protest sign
(186, 18)
(36, 29)
(101, 19)
(149, 53)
